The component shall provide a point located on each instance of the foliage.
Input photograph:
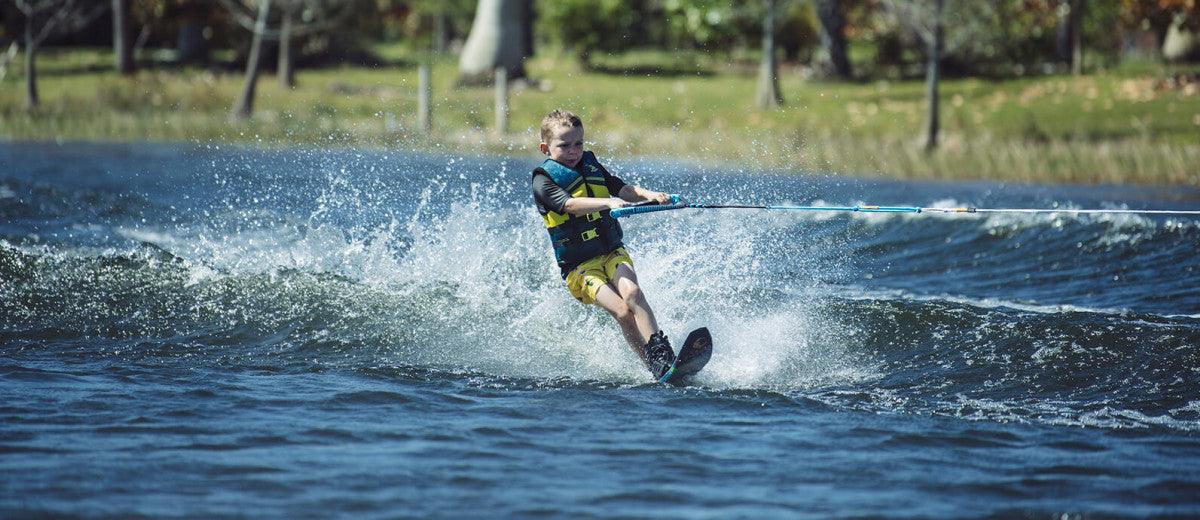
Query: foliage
(797, 34)
(609, 26)
(589, 26)
(999, 38)
(702, 24)
(1157, 15)
(417, 19)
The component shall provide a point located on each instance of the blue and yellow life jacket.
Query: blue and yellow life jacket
(577, 238)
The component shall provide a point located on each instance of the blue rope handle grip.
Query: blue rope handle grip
(644, 207)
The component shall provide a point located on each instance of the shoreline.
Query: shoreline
(717, 165)
(1112, 127)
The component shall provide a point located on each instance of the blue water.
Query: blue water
(210, 331)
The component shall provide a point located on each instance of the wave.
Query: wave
(861, 293)
(433, 296)
(994, 317)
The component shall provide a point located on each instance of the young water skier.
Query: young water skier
(573, 192)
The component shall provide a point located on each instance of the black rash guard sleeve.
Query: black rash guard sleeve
(546, 194)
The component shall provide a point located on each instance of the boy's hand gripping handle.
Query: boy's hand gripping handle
(648, 207)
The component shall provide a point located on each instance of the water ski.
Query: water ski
(692, 357)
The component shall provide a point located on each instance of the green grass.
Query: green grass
(1127, 125)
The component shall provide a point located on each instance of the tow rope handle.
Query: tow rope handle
(648, 207)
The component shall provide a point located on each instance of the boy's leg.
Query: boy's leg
(626, 283)
(612, 302)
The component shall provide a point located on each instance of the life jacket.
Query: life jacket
(577, 238)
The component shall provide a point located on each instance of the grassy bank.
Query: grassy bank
(1135, 125)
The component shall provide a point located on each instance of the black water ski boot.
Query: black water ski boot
(659, 356)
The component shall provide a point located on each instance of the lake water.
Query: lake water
(211, 331)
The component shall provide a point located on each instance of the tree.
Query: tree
(299, 18)
(319, 15)
(588, 26)
(245, 102)
(498, 38)
(925, 18)
(190, 44)
(1161, 15)
(122, 45)
(42, 19)
(835, 59)
(1069, 40)
(933, 75)
(702, 24)
(284, 70)
(768, 77)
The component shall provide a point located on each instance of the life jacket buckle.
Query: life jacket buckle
(589, 234)
(591, 217)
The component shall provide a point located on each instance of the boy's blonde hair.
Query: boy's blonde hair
(558, 118)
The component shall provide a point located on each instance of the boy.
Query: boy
(573, 194)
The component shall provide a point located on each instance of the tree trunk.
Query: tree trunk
(1077, 8)
(441, 35)
(31, 93)
(284, 69)
(932, 77)
(190, 46)
(497, 39)
(768, 75)
(122, 46)
(245, 103)
(1069, 37)
(833, 39)
(1062, 36)
(530, 17)
(425, 97)
(501, 101)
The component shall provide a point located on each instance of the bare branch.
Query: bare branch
(247, 21)
(239, 13)
(920, 18)
(914, 14)
(67, 13)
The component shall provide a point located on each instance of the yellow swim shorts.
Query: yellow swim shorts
(586, 279)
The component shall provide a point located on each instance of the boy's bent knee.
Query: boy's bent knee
(621, 312)
(631, 293)
(628, 288)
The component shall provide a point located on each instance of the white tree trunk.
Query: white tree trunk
(497, 39)
(768, 71)
(425, 97)
(122, 46)
(31, 91)
(284, 70)
(933, 73)
(245, 102)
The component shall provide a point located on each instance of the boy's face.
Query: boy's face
(565, 146)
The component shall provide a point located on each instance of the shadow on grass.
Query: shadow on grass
(69, 70)
(652, 70)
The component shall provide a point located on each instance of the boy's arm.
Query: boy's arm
(633, 193)
(552, 197)
(585, 205)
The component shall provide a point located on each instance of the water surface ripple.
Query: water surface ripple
(226, 332)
